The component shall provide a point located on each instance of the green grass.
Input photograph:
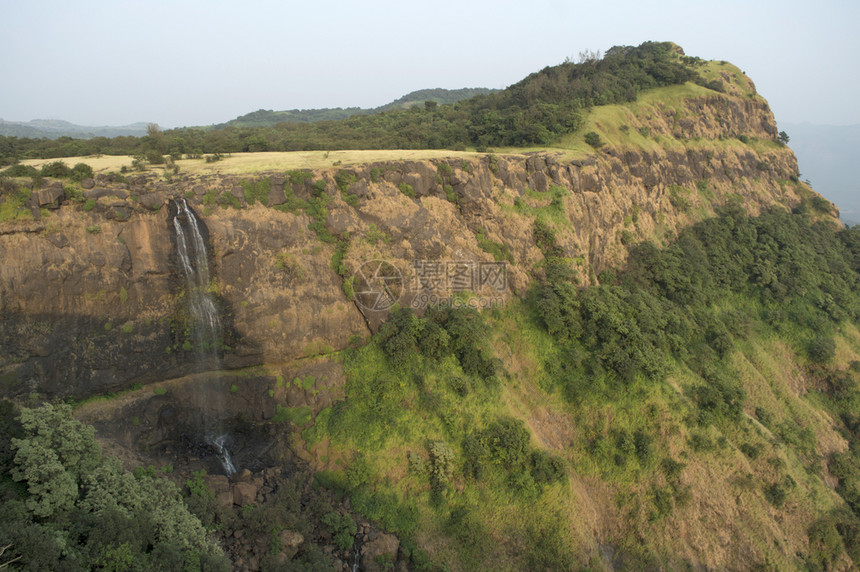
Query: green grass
(13, 210)
(499, 250)
(546, 206)
(256, 190)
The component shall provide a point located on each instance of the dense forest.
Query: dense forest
(535, 111)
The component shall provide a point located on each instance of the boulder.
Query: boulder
(290, 543)
(87, 183)
(152, 201)
(49, 197)
(59, 239)
(244, 493)
(220, 487)
(241, 476)
(277, 196)
(383, 547)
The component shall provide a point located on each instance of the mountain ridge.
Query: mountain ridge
(56, 128)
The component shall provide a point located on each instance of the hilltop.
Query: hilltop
(540, 110)
(628, 342)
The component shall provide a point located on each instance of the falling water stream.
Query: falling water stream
(204, 322)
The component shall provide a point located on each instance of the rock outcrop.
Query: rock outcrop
(90, 295)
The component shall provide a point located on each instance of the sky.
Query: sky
(182, 63)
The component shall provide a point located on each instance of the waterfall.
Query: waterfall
(204, 322)
(220, 444)
(357, 555)
(193, 258)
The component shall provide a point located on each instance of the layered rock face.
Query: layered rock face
(91, 298)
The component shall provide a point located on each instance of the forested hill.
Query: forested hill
(539, 110)
(268, 118)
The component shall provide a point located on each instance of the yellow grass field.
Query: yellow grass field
(244, 163)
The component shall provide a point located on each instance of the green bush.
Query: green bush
(81, 171)
(318, 188)
(593, 139)
(821, 350)
(775, 495)
(154, 157)
(256, 190)
(407, 190)
(20, 170)
(56, 169)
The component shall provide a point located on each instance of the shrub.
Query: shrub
(677, 198)
(256, 190)
(155, 157)
(593, 139)
(775, 495)
(506, 441)
(821, 204)
(318, 188)
(545, 468)
(407, 190)
(21, 171)
(821, 350)
(343, 529)
(56, 169)
(441, 464)
(81, 171)
(750, 450)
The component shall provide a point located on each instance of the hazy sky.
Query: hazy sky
(114, 62)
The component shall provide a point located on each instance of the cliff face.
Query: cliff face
(90, 294)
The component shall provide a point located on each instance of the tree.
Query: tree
(783, 137)
(593, 139)
(55, 453)
(83, 511)
(153, 129)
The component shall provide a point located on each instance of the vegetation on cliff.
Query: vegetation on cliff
(639, 383)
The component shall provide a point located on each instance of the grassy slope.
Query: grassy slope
(720, 495)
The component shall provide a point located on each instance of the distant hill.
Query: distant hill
(267, 118)
(56, 128)
(827, 156)
(439, 95)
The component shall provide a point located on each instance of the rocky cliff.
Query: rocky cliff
(91, 299)
(308, 262)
